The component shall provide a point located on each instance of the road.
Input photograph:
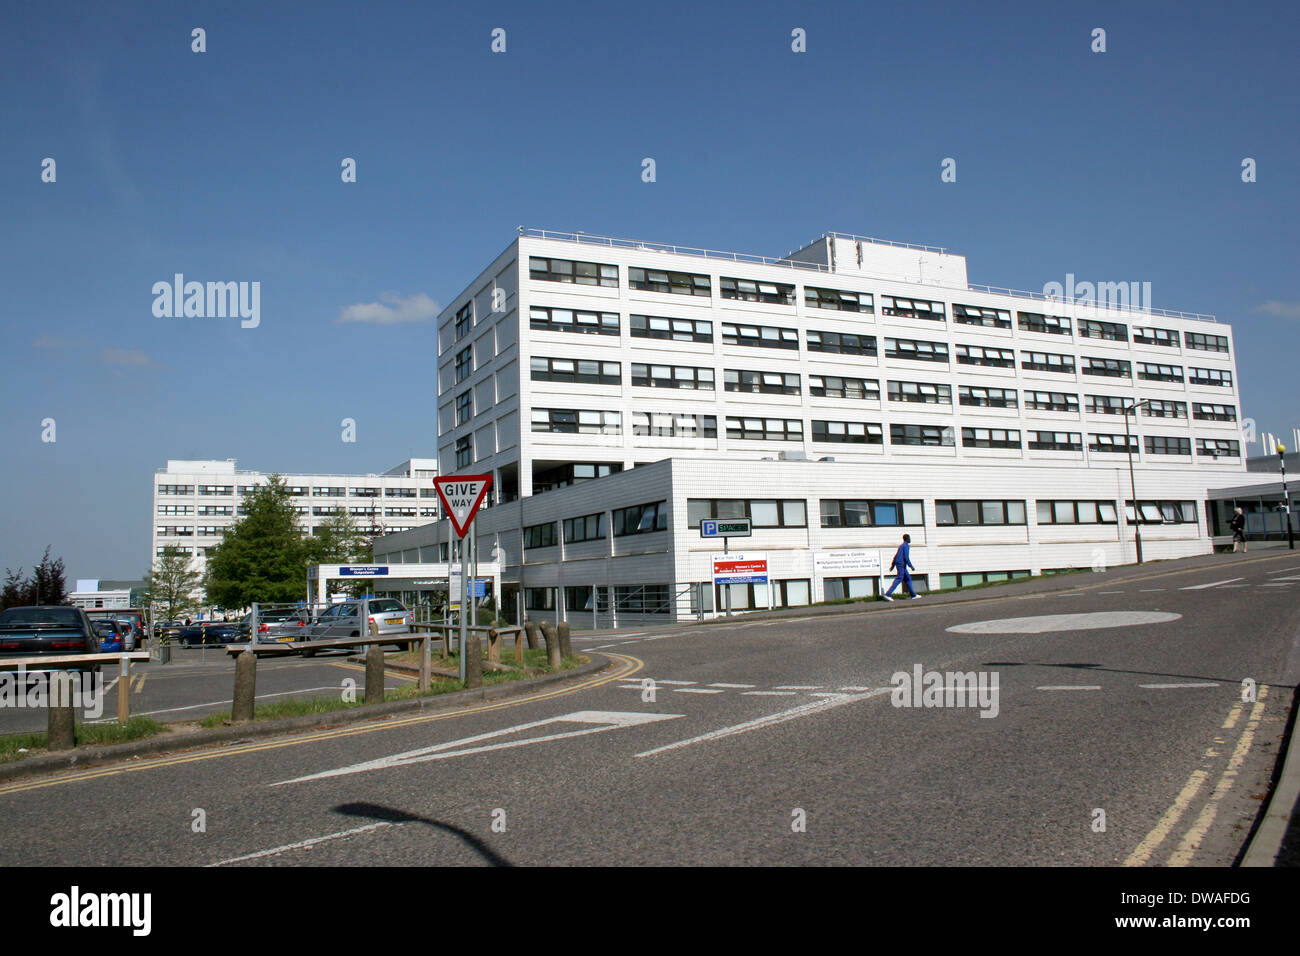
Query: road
(771, 742)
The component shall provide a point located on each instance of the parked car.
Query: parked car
(48, 630)
(209, 632)
(274, 625)
(111, 634)
(136, 635)
(354, 619)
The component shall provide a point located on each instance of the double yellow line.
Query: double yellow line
(627, 667)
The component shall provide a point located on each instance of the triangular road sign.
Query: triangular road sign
(461, 495)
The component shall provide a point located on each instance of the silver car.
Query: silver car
(354, 618)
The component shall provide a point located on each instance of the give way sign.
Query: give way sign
(461, 495)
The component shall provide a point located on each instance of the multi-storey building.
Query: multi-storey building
(838, 396)
(195, 502)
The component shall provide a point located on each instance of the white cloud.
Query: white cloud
(1287, 310)
(392, 309)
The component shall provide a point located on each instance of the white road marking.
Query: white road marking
(1171, 686)
(684, 683)
(1045, 623)
(798, 687)
(1283, 570)
(804, 710)
(1276, 584)
(1294, 577)
(853, 690)
(826, 694)
(603, 719)
(1069, 687)
(697, 690)
(304, 843)
(736, 686)
(768, 693)
(1110, 592)
(1212, 584)
(1148, 590)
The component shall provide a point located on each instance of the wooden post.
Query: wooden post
(553, 657)
(426, 659)
(124, 691)
(241, 709)
(62, 728)
(472, 660)
(566, 645)
(519, 647)
(530, 629)
(374, 674)
(494, 648)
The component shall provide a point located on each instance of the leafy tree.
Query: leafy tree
(340, 541)
(263, 557)
(170, 586)
(15, 589)
(48, 580)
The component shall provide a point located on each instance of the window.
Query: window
(328, 491)
(983, 355)
(175, 489)
(845, 343)
(911, 308)
(1206, 343)
(850, 433)
(539, 599)
(672, 376)
(214, 510)
(990, 438)
(760, 336)
(1037, 322)
(464, 363)
(1077, 512)
(571, 473)
(1161, 512)
(1047, 362)
(965, 579)
(540, 536)
(674, 425)
(641, 598)
(1114, 368)
(765, 429)
(976, 315)
(399, 512)
(751, 290)
(1209, 376)
(573, 320)
(920, 435)
(464, 318)
(834, 299)
(464, 406)
(919, 351)
(1056, 441)
(1163, 409)
(364, 492)
(248, 489)
(1051, 401)
(874, 513)
(791, 593)
(1218, 448)
(428, 493)
(641, 519)
(577, 273)
(1149, 336)
(1107, 404)
(178, 531)
(176, 509)
(399, 492)
(657, 280)
(1092, 329)
(980, 396)
(580, 371)
(326, 510)
(210, 531)
(678, 330)
(586, 528)
(1160, 373)
(1163, 445)
(577, 421)
(768, 383)
(833, 386)
(1113, 443)
(924, 392)
(298, 491)
(579, 598)
(216, 490)
(1214, 413)
(762, 512)
(465, 451)
(978, 512)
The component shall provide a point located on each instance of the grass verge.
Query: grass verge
(137, 728)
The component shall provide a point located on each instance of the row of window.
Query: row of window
(779, 293)
(295, 491)
(638, 519)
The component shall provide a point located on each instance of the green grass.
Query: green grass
(137, 728)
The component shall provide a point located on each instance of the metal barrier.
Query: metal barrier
(50, 664)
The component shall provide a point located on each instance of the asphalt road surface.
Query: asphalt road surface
(1118, 735)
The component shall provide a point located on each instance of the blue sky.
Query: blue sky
(225, 166)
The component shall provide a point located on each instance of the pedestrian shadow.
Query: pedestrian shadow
(373, 811)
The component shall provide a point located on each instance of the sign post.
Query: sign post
(461, 496)
(725, 529)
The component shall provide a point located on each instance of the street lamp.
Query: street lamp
(1128, 446)
(1286, 495)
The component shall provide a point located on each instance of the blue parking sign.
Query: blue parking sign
(710, 528)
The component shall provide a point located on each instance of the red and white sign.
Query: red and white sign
(461, 495)
(740, 568)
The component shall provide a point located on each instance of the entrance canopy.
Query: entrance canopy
(393, 576)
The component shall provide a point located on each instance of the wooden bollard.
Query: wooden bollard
(553, 656)
(566, 644)
(62, 730)
(530, 631)
(473, 661)
(494, 648)
(374, 674)
(241, 708)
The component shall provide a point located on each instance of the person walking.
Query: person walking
(1238, 526)
(902, 561)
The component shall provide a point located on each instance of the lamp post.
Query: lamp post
(1286, 495)
(1128, 446)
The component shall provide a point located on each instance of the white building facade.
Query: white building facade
(196, 502)
(839, 397)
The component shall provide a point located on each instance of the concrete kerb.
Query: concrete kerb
(165, 743)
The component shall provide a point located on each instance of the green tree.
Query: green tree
(48, 580)
(170, 586)
(340, 541)
(15, 590)
(263, 557)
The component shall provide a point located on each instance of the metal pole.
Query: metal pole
(1286, 495)
(464, 633)
(1128, 447)
(724, 551)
